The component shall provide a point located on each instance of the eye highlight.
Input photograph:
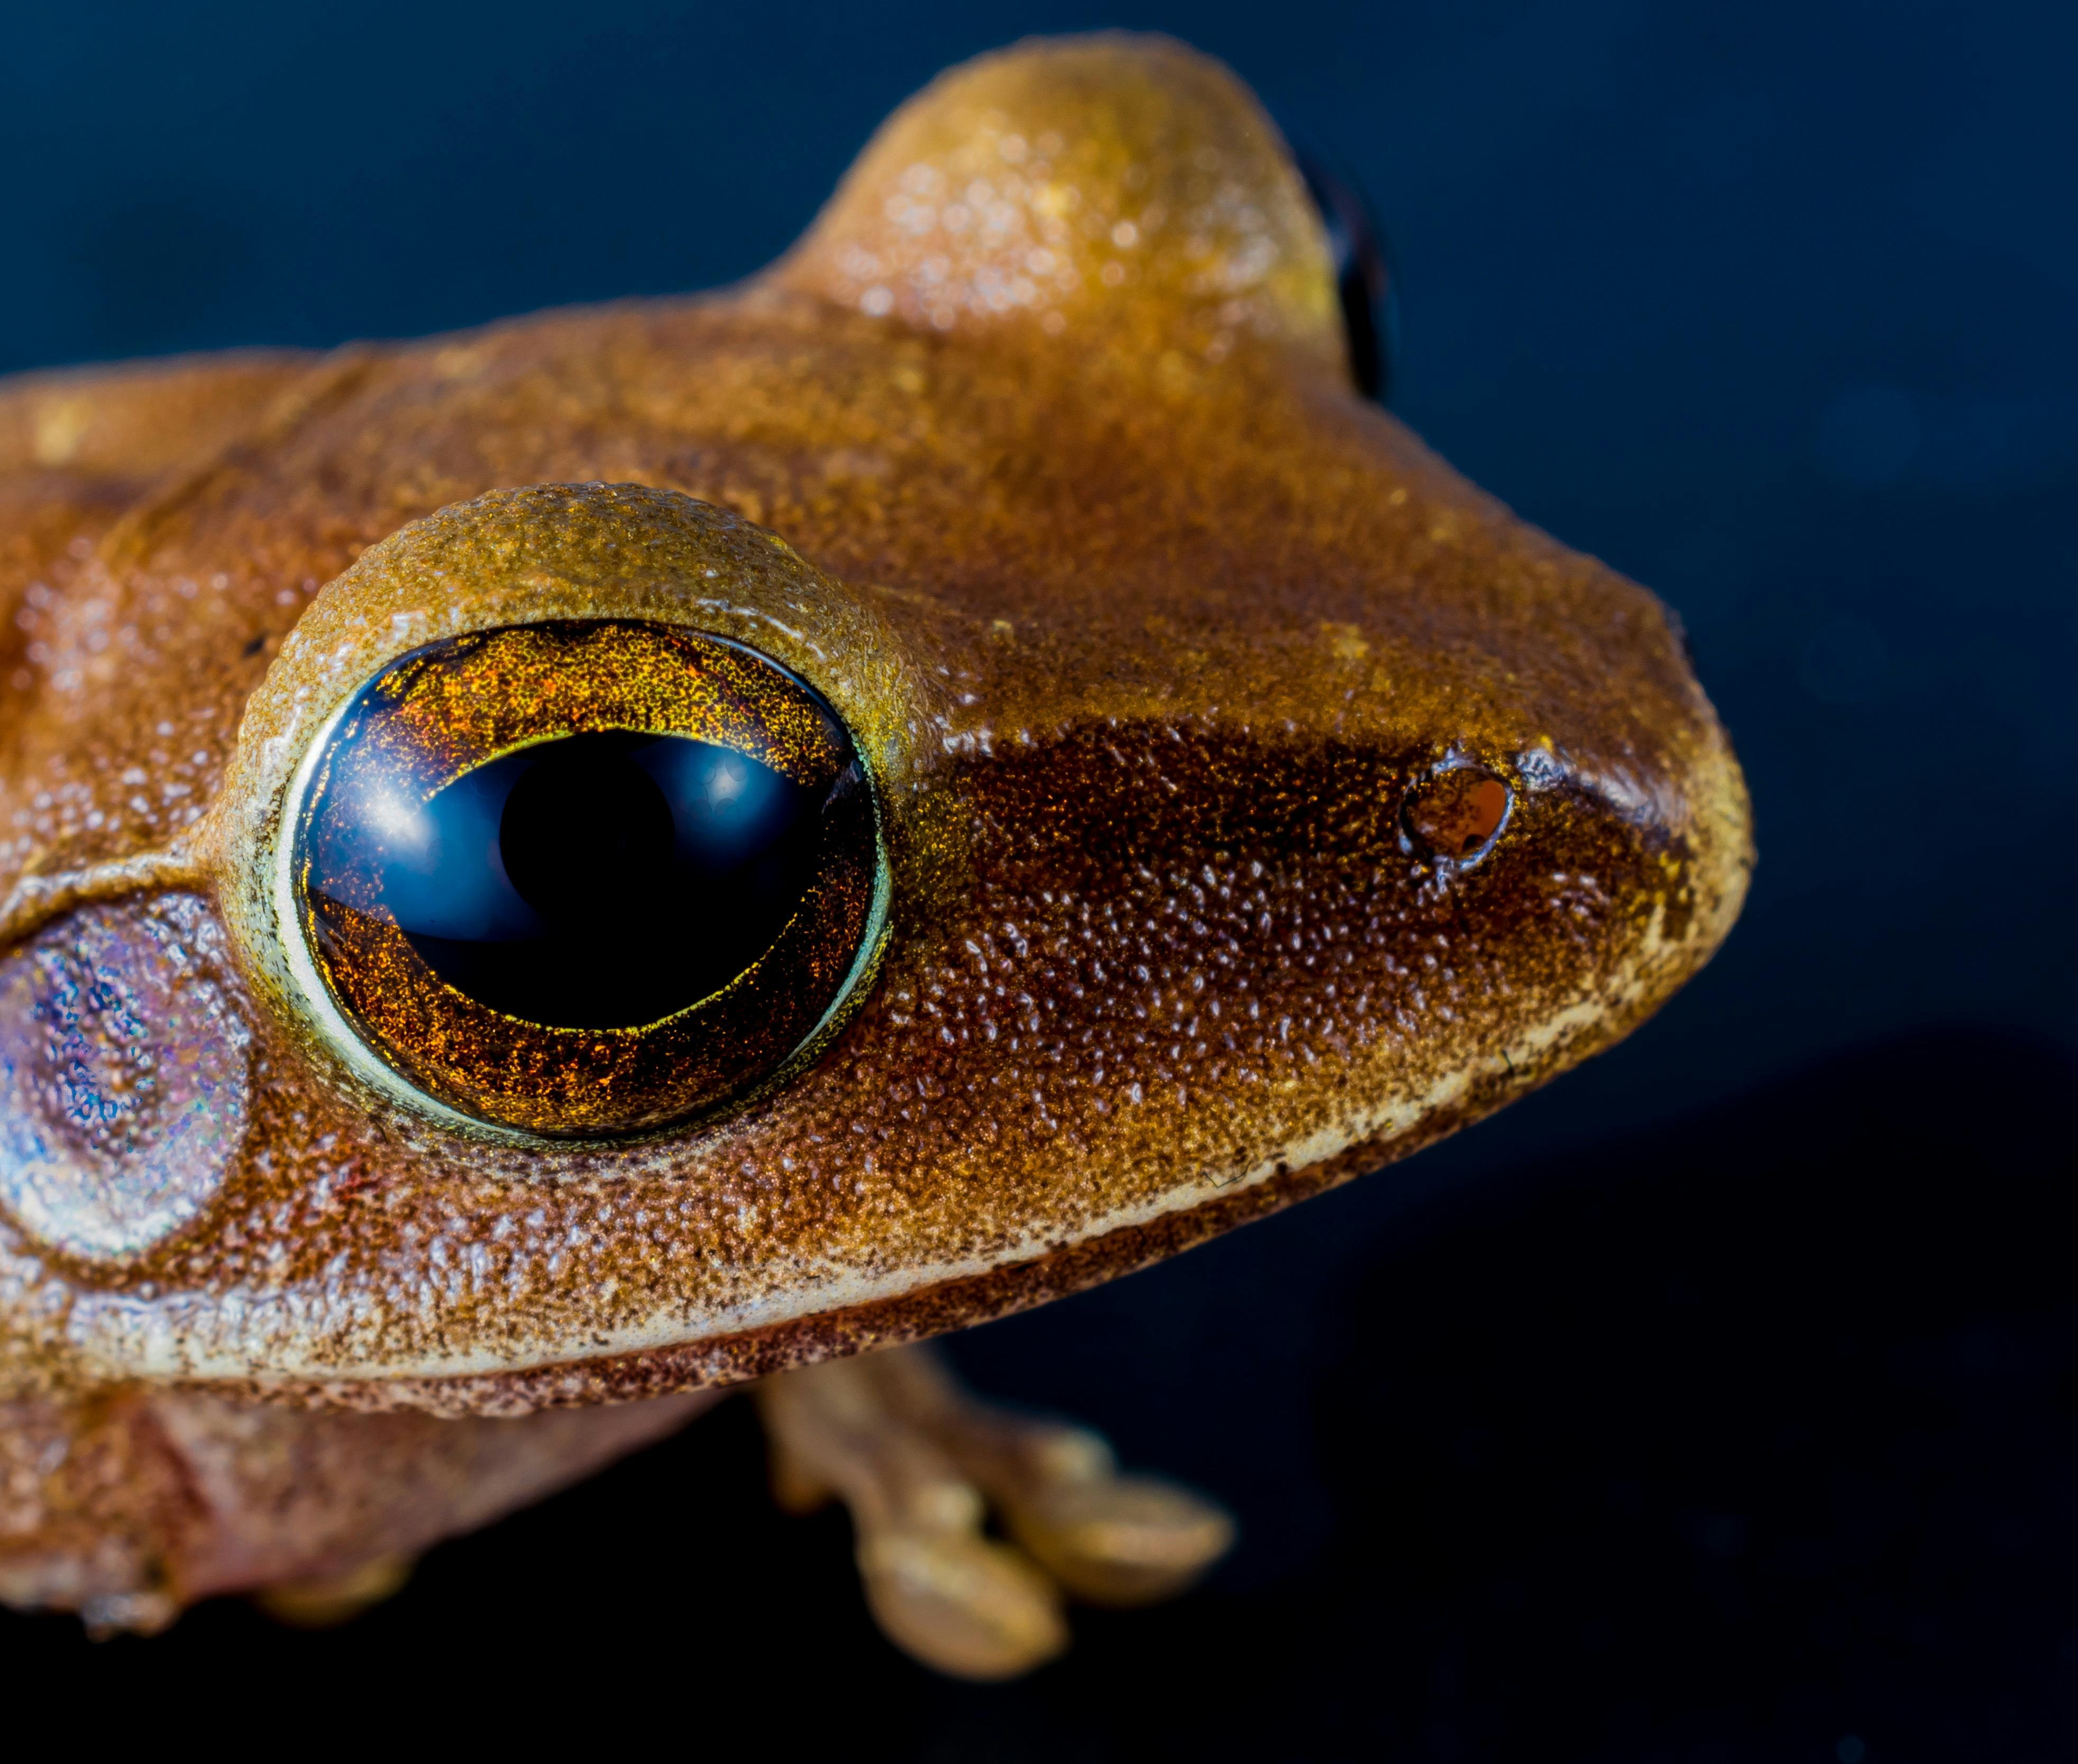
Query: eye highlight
(586, 877)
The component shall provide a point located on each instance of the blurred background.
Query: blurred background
(1720, 1402)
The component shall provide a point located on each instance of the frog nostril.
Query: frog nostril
(1456, 813)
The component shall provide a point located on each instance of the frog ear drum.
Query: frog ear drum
(1114, 192)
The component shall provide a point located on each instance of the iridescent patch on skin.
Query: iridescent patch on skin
(123, 1082)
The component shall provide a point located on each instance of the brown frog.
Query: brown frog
(552, 870)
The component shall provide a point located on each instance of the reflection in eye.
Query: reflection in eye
(586, 876)
(511, 882)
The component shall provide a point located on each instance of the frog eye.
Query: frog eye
(1364, 280)
(584, 876)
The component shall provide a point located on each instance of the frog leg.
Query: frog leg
(919, 1460)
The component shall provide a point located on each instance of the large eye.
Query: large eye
(586, 877)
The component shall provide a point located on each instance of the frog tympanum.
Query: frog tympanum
(552, 870)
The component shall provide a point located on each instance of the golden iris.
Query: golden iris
(586, 876)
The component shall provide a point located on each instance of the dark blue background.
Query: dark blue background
(1771, 306)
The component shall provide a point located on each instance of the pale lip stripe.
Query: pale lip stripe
(124, 1337)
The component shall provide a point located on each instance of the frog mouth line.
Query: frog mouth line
(158, 1339)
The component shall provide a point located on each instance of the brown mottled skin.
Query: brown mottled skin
(1148, 626)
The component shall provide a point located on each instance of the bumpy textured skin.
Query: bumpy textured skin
(1147, 623)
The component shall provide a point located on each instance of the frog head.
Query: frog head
(641, 845)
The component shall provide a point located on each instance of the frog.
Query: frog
(556, 870)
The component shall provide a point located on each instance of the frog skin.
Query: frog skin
(1257, 802)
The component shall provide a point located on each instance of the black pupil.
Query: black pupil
(582, 818)
(601, 881)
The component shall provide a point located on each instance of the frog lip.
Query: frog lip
(831, 1311)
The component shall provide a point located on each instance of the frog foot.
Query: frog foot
(332, 1600)
(919, 1460)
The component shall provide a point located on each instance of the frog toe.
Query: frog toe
(329, 1601)
(919, 1460)
(1121, 1540)
(964, 1603)
(1109, 1538)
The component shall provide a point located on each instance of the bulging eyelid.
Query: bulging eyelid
(481, 695)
